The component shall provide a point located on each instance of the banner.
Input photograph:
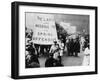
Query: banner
(44, 29)
(67, 26)
(72, 30)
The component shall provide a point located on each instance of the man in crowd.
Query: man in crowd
(76, 47)
(54, 47)
(68, 45)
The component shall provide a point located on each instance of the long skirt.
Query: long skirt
(86, 60)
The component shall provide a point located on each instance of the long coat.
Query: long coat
(76, 46)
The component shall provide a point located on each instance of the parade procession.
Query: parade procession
(56, 40)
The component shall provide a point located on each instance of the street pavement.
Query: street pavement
(66, 60)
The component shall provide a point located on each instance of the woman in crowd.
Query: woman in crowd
(82, 41)
(61, 49)
(86, 59)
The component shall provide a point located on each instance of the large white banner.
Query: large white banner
(44, 29)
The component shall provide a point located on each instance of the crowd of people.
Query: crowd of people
(53, 52)
(73, 47)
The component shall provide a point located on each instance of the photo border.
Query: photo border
(15, 39)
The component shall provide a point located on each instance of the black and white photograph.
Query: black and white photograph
(51, 40)
(56, 40)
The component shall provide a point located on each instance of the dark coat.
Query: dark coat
(76, 46)
(51, 62)
(71, 46)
